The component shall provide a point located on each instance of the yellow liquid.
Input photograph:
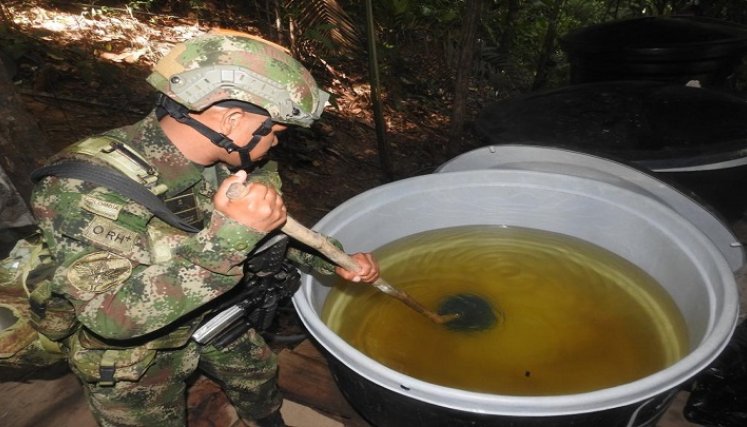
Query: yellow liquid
(575, 317)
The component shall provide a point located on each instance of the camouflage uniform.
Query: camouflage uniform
(141, 287)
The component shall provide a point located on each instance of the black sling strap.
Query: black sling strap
(113, 180)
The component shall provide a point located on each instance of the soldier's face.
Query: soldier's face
(268, 141)
(244, 132)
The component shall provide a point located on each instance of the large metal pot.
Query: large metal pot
(640, 180)
(626, 221)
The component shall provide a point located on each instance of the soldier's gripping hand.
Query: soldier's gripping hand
(259, 206)
(368, 269)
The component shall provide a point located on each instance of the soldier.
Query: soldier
(140, 286)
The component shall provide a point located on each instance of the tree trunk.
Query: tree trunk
(613, 7)
(23, 146)
(509, 28)
(279, 33)
(472, 10)
(543, 65)
(373, 65)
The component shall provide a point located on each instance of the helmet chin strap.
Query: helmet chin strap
(246, 159)
(167, 106)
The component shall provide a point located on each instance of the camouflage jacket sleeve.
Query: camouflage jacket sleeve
(126, 272)
(306, 259)
(312, 261)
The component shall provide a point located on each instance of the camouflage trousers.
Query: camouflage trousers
(246, 370)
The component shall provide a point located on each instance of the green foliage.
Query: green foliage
(326, 24)
(320, 35)
(440, 11)
(154, 4)
(396, 7)
(142, 4)
(443, 12)
(419, 40)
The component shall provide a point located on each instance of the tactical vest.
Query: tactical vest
(32, 319)
(102, 361)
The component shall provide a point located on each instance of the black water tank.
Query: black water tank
(693, 138)
(674, 49)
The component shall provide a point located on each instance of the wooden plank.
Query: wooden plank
(208, 406)
(305, 379)
(307, 348)
(53, 398)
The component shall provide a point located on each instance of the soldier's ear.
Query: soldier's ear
(231, 119)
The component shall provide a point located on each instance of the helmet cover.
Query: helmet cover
(216, 67)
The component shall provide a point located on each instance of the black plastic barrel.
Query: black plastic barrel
(675, 49)
(692, 137)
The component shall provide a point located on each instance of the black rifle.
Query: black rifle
(268, 279)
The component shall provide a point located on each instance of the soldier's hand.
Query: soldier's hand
(259, 206)
(368, 270)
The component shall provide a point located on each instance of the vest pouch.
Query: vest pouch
(105, 367)
(21, 346)
(15, 330)
(51, 315)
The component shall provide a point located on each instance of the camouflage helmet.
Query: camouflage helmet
(222, 66)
